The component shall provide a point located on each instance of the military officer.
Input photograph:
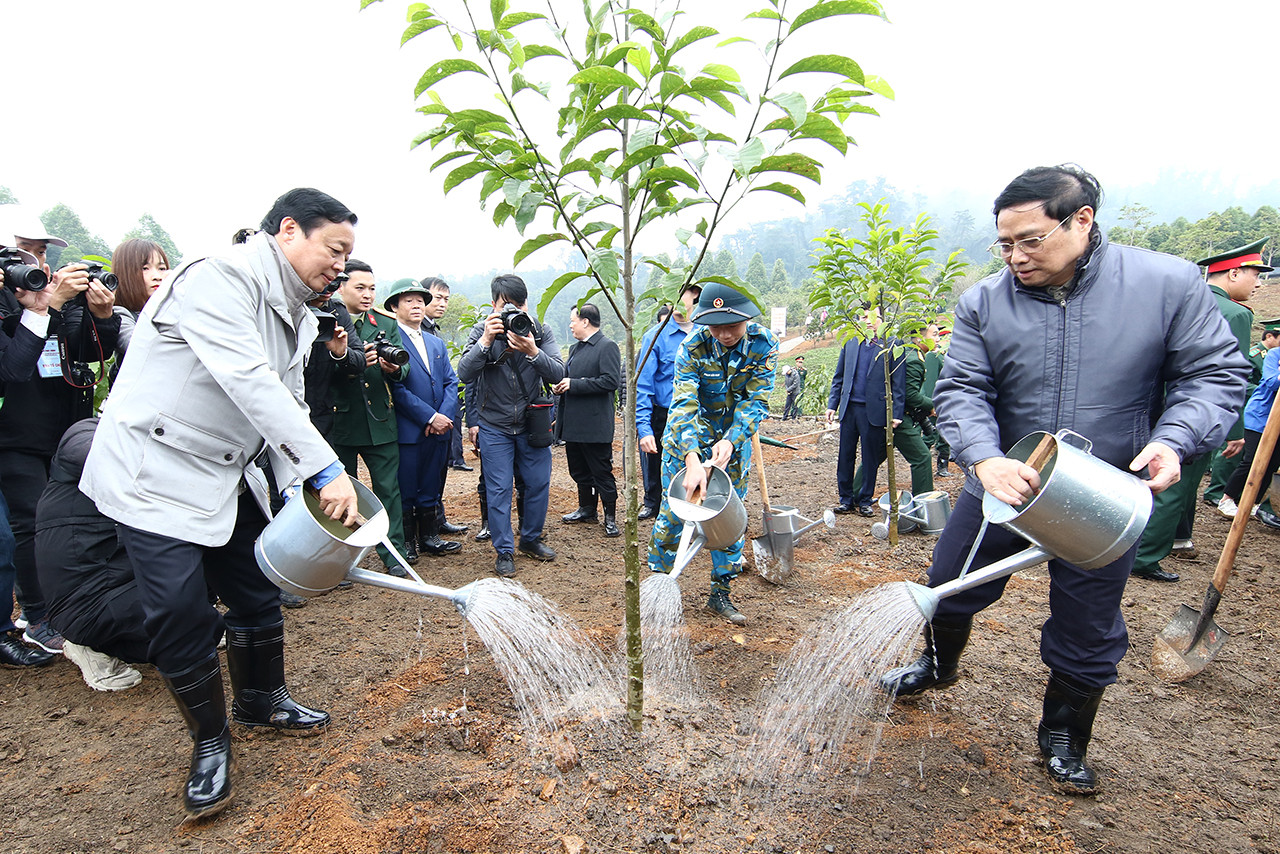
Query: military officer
(1232, 278)
(364, 419)
(723, 376)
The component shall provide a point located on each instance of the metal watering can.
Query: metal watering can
(928, 511)
(1087, 512)
(304, 552)
(718, 521)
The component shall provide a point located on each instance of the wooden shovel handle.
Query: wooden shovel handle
(1043, 451)
(1252, 486)
(758, 457)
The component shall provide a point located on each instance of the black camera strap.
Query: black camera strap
(64, 354)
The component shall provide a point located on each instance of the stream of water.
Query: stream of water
(828, 691)
(669, 671)
(553, 670)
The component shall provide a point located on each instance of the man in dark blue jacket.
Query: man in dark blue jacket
(857, 400)
(1035, 348)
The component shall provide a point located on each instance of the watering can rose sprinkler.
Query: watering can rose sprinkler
(306, 553)
(1086, 512)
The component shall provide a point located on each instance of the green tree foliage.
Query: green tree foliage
(65, 223)
(649, 124)
(756, 276)
(883, 286)
(1206, 236)
(7, 197)
(148, 229)
(778, 280)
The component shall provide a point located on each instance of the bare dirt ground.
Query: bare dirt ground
(426, 753)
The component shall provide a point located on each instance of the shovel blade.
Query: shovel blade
(770, 566)
(1174, 657)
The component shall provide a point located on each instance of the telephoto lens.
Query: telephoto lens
(517, 322)
(386, 350)
(107, 279)
(19, 275)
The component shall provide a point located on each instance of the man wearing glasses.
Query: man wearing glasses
(1036, 347)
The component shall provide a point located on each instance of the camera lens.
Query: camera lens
(26, 277)
(520, 324)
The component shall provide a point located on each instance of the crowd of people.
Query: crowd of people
(240, 380)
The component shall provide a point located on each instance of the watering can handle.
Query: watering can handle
(358, 521)
(1075, 440)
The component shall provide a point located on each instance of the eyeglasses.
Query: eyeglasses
(1028, 245)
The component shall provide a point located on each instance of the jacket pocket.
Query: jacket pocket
(188, 467)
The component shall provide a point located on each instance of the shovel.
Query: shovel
(1192, 639)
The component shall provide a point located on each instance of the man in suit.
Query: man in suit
(857, 401)
(426, 409)
(364, 423)
(593, 373)
(214, 380)
(431, 317)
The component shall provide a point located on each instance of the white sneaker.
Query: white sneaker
(1227, 507)
(101, 672)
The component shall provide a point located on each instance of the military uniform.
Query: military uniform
(932, 369)
(364, 425)
(718, 394)
(908, 438)
(1175, 508)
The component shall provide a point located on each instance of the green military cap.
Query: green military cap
(1270, 327)
(720, 304)
(1249, 255)
(399, 288)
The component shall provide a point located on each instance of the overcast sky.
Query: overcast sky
(202, 113)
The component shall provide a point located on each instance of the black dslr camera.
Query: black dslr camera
(19, 274)
(386, 350)
(515, 321)
(921, 417)
(97, 274)
(328, 322)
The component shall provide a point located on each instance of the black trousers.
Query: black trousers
(174, 578)
(1235, 486)
(23, 477)
(591, 467)
(651, 464)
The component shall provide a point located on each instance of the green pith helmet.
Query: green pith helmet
(720, 304)
(1249, 255)
(1270, 327)
(401, 287)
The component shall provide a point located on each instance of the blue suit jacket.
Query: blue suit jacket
(424, 393)
(842, 384)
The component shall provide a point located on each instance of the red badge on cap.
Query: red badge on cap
(718, 302)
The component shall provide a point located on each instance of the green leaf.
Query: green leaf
(828, 63)
(820, 127)
(452, 155)
(440, 70)
(604, 262)
(365, 4)
(649, 152)
(599, 75)
(515, 19)
(795, 106)
(749, 157)
(480, 117)
(695, 34)
(837, 7)
(778, 187)
(533, 51)
(879, 86)
(497, 8)
(528, 210)
(642, 60)
(771, 14)
(624, 111)
(533, 244)
(556, 287)
(417, 28)
(671, 173)
(724, 72)
(795, 163)
(644, 22)
(465, 172)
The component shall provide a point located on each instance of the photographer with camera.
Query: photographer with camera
(364, 418)
(510, 357)
(82, 329)
(330, 356)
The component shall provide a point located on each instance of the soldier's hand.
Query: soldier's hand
(1162, 466)
(1008, 480)
(649, 444)
(721, 453)
(370, 354)
(695, 478)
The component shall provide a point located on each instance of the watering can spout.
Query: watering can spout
(461, 598)
(926, 600)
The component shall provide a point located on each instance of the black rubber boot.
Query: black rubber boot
(944, 457)
(1065, 730)
(429, 535)
(410, 537)
(444, 526)
(203, 704)
(255, 660)
(939, 663)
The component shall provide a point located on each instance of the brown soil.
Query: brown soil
(425, 757)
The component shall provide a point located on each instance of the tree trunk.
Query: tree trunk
(890, 473)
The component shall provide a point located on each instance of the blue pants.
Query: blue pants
(855, 429)
(1084, 637)
(725, 563)
(174, 578)
(505, 455)
(422, 472)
